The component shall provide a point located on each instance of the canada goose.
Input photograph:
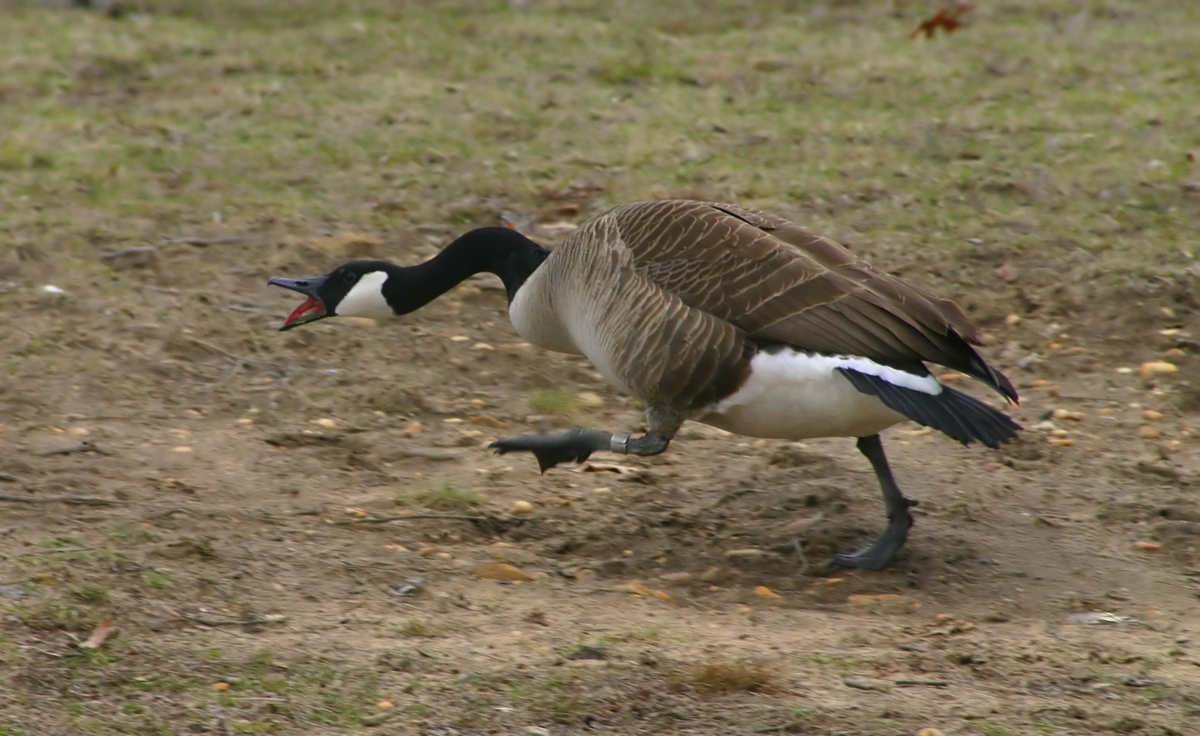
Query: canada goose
(715, 313)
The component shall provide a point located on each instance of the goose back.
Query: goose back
(671, 299)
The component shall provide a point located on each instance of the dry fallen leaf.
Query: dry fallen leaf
(606, 468)
(866, 599)
(637, 587)
(100, 635)
(1008, 273)
(502, 571)
(946, 19)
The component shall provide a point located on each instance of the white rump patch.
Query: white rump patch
(365, 298)
(795, 395)
(925, 384)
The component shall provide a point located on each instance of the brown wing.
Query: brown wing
(779, 282)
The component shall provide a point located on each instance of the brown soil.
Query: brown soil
(203, 491)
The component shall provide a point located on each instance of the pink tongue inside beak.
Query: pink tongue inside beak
(310, 305)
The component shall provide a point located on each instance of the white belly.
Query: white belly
(796, 396)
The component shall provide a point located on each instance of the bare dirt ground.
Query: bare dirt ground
(300, 532)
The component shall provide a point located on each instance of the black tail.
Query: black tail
(959, 416)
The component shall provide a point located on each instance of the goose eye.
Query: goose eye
(351, 278)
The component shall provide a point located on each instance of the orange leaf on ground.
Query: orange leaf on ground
(100, 635)
(501, 571)
(946, 19)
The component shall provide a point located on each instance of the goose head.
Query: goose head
(355, 289)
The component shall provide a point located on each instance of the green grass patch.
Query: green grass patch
(443, 497)
(552, 401)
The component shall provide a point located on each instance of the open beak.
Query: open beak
(312, 309)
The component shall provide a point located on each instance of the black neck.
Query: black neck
(499, 250)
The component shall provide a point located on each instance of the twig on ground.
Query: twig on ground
(273, 619)
(10, 478)
(930, 683)
(85, 446)
(159, 289)
(201, 242)
(69, 500)
(803, 557)
(62, 551)
(411, 517)
(240, 359)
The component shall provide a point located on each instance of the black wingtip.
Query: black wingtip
(978, 368)
(957, 415)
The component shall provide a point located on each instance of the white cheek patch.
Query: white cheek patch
(366, 299)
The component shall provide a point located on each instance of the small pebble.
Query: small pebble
(445, 556)
(763, 591)
(1059, 433)
(414, 428)
(662, 595)
(459, 338)
(1147, 432)
(1074, 416)
(384, 705)
(1012, 319)
(1152, 416)
(181, 449)
(1061, 441)
(424, 551)
(1145, 546)
(676, 577)
(220, 686)
(745, 554)
(482, 346)
(521, 508)
(78, 432)
(324, 423)
(1155, 367)
(245, 421)
(930, 732)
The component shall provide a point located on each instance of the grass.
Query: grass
(552, 401)
(719, 676)
(443, 497)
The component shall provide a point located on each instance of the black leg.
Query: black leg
(900, 520)
(577, 444)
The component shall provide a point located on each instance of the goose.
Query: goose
(715, 313)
